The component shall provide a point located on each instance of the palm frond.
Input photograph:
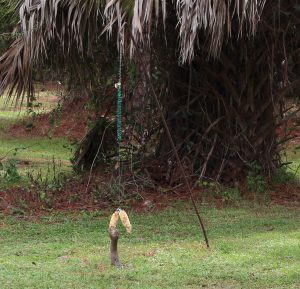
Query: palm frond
(74, 25)
(70, 24)
(16, 70)
(141, 16)
(213, 17)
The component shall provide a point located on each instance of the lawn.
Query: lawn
(293, 155)
(31, 155)
(251, 247)
(35, 149)
(11, 114)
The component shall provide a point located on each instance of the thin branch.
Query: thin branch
(206, 162)
(94, 160)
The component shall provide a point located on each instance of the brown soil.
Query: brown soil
(287, 194)
(75, 196)
(71, 122)
(291, 128)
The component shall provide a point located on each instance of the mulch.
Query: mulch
(73, 196)
(71, 123)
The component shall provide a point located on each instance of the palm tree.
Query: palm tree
(7, 23)
(202, 93)
(75, 25)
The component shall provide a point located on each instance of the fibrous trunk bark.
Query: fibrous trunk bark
(223, 113)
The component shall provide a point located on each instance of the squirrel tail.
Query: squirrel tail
(119, 213)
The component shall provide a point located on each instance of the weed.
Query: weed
(9, 167)
(113, 191)
(46, 198)
(55, 115)
(32, 112)
(283, 175)
(116, 191)
(256, 182)
(73, 198)
(209, 189)
(231, 195)
(53, 179)
(213, 190)
(49, 182)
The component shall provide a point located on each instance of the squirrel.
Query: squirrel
(114, 234)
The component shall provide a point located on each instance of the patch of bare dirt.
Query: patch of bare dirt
(290, 129)
(74, 196)
(287, 194)
(71, 122)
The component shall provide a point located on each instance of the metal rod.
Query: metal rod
(187, 184)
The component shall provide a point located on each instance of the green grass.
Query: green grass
(36, 156)
(293, 155)
(251, 247)
(47, 100)
(36, 149)
(11, 118)
(10, 114)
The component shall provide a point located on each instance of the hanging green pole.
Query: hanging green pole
(119, 112)
(119, 97)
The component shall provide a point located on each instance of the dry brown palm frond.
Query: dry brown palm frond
(213, 17)
(143, 17)
(16, 70)
(140, 13)
(68, 24)
(72, 25)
